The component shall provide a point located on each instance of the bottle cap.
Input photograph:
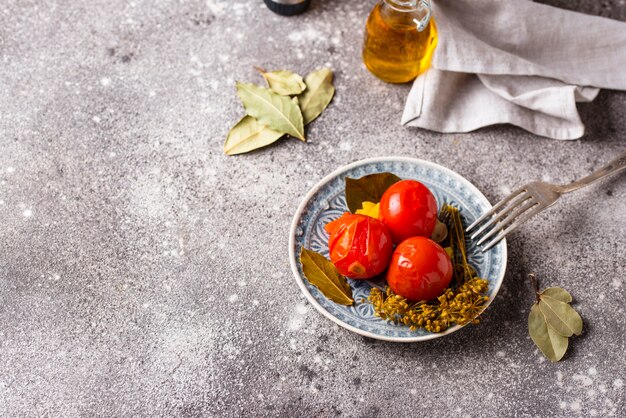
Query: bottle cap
(287, 7)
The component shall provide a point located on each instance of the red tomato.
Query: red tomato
(408, 209)
(360, 246)
(332, 226)
(419, 270)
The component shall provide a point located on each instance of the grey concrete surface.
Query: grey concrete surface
(143, 273)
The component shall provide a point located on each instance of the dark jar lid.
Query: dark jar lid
(287, 7)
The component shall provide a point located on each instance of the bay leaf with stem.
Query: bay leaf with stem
(369, 188)
(278, 112)
(247, 135)
(284, 82)
(551, 343)
(321, 273)
(561, 316)
(318, 94)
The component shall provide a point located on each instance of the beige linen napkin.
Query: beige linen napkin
(517, 62)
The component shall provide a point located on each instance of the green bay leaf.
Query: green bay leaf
(322, 274)
(284, 82)
(278, 112)
(552, 344)
(368, 189)
(247, 135)
(561, 316)
(559, 343)
(318, 94)
(558, 294)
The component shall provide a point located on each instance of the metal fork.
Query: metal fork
(527, 201)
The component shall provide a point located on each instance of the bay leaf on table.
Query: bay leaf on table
(318, 94)
(561, 316)
(557, 293)
(369, 188)
(284, 82)
(321, 273)
(551, 343)
(278, 112)
(247, 135)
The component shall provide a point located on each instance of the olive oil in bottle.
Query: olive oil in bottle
(400, 38)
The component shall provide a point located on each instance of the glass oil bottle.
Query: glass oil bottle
(400, 38)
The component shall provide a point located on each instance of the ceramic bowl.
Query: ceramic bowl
(326, 202)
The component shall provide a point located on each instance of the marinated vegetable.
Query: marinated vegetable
(419, 270)
(360, 246)
(408, 209)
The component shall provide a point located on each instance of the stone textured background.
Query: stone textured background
(143, 273)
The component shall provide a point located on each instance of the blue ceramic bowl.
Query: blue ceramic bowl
(326, 202)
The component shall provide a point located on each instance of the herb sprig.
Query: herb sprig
(285, 107)
(552, 320)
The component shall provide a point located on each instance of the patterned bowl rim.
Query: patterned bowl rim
(294, 260)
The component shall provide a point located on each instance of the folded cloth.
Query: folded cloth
(517, 62)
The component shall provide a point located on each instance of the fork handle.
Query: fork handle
(613, 167)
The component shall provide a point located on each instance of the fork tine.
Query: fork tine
(496, 207)
(511, 228)
(510, 217)
(498, 216)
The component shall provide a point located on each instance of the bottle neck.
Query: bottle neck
(400, 14)
(406, 6)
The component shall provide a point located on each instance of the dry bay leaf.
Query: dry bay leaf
(552, 344)
(247, 135)
(552, 320)
(318, 94)
(271, 109)
(284, 82)
(557, 293)
(322, 274)
(368, 189)
(561, 316)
